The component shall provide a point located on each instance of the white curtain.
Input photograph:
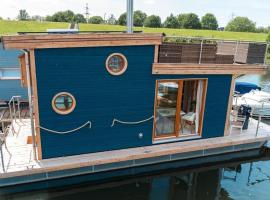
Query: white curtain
(198, 105)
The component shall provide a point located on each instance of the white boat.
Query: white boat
(259, 101)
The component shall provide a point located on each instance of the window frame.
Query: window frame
(124, 68)
(177, 125)
(4, 69)
(63, 112)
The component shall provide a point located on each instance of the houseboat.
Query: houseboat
(104, 105)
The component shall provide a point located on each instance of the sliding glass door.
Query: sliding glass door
(179, 107)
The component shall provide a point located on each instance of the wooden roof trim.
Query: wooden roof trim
(171, 68)
(79, 40)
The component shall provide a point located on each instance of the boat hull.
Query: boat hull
(109, 172)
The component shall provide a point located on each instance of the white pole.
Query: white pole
(2, 157)
(129, 16)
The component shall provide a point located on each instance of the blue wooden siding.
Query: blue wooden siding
(9, 88)
(102, 97)
(9, 58)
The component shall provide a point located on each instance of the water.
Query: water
(236, 180)
(261, 80)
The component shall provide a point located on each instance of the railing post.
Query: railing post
(19, 109)
(200, 59)
(2, 157)
(236, 51)
(10, 112)
(14, 109)
(258, 125)
(265, 55)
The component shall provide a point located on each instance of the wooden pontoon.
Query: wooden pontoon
(107, 102)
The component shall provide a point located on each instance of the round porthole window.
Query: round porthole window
(116, 64)
(63, 103)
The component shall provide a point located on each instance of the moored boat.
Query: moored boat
(259, 101)
(105, 102)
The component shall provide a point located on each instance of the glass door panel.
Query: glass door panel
(166, 105)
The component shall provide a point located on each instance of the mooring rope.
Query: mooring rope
(66, 132)
(131, 123)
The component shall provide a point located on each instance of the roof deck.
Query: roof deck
(208, 56)
(18, 156)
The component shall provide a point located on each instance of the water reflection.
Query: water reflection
(249, 180)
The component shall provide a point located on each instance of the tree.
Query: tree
(262, 29)
(23, 15)
(171, 22)
(96, 20)
(37, 18)
(63, 16)
(139, 18)
(181, 20)
(79, 18)
(48, 18)
(122, 20)
(1, 18)
(153, 21)
(209, 21)
(241, 24)
(189, 21)
(111, 20)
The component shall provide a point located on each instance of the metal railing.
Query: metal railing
(202, 40)
(14, 108)
(1, 151)
(260, 115)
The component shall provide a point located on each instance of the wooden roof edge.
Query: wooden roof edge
(33, 40)
(265, 66)
(193, 68)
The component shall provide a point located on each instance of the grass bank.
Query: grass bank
(12, 27)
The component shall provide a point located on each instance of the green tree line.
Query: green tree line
(141, 19)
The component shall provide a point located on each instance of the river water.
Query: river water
(261, 80)
(245, 180)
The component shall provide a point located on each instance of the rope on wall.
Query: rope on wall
(89, 124)
(130, 123)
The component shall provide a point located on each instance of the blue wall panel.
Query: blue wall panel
(102, 97)
(9, 58)
(9, 88)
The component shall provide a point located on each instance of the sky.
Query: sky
(257, 10)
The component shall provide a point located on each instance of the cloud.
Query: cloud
(149, 2)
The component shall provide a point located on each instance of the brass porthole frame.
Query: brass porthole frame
(124, 68)
(66, 112)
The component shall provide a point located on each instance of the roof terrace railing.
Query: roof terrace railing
(241, 52)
